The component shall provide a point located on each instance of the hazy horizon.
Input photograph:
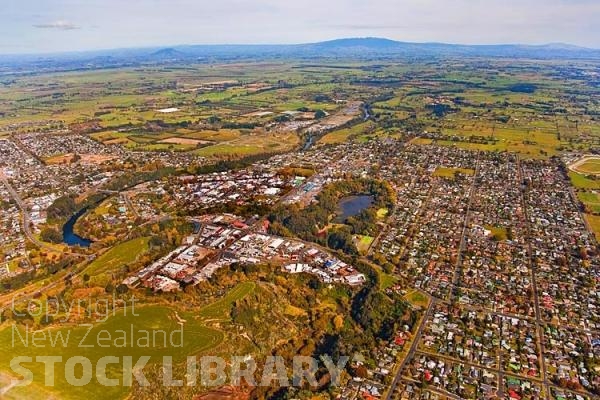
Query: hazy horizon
(40, 26)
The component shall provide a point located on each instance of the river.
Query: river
(70, 238)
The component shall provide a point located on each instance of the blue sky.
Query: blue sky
(36, 26)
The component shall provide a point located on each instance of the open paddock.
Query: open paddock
(91, 159)
(258, 114)
(184, 141)
(444, 172)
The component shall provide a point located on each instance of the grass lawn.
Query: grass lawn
(444, 172)
(594, 222)
(589, 197)
(220, 309)
(118, 256)
(386, 280)
(417, 298)
(153, 319)
(363, 242)
(591, 200)
(13, 265)
(104, 207)
(499, 233)
(590, 167)
(382, 213)
(228, 149)
(582, 182)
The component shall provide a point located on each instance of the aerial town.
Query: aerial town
(496, 245)
(427, 215)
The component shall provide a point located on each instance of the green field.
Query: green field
(499, 233)
(153, 319)
(221, 308)
(363, 243)
(483, 111)
(444, 172)
(344, 135)
(582, 182)
(591, 200)
(387, 280)
(382, 213)
(589, 167)
(197, 338)
(594, 223)
(118, 256)
(417, 298)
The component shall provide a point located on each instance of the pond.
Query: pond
(353, 205)
(70, 238)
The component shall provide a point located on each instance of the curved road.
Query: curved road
(26, 219)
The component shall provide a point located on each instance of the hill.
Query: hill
(353, 48)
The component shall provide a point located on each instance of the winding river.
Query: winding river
(70, 238)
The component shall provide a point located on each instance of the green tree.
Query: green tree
(319, 114)
(51, 234)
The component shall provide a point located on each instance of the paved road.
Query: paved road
(428, 312)
(456, 280)
(532, 268)
(26, 219)
(129, 204)
(418, 218)
(383, 230)
(412, 350)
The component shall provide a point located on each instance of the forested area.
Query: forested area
(313, 222)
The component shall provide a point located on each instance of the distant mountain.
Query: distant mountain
(373, 47)
(168, 54)
(352, 48)
(370, 43)
(391, 47)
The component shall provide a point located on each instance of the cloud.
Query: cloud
(60, 25)
(100, 23)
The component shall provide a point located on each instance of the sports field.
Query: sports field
(588, 165)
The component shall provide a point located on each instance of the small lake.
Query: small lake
(71, 238)
(353, 205)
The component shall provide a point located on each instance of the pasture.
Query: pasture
(465, 106)
(116, 257)
(450, 172)
(582, 182)
(594, 223)
(159, 321)
(197, 337)
(347, 134)
(363, 243)
(220, 309)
